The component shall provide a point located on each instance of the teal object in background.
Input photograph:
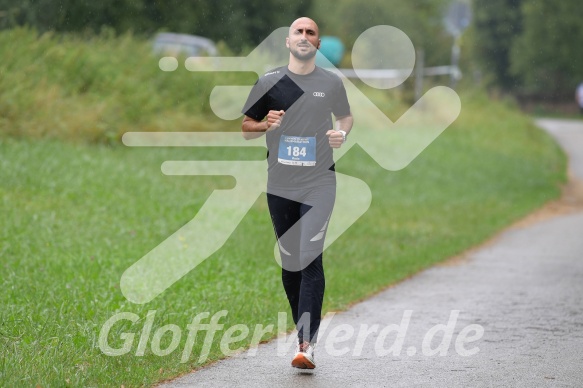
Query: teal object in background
(332, 48)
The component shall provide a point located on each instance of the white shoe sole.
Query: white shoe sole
(302, 361)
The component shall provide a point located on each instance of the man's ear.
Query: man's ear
(287, 42)
(319, 43)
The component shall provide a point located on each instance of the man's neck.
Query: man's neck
(301, 67)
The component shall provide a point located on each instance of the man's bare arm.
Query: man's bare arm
(344, 123)
(252, 129)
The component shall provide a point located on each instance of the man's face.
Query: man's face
(303, 40)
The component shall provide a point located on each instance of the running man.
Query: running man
(293, 106)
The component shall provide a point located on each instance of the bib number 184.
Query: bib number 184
(296, 151)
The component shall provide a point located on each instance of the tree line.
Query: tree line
(238, 23)
(531, 48)
(526, 47)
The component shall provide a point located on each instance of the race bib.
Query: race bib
(297, 151)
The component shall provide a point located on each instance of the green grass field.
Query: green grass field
(77, 214)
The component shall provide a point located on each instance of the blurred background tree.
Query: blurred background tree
(547, 56)
(238, 23)
(530, 48)
(524, 47)
(421, 20)
(496, 24)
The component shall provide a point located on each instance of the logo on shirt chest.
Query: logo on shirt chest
(319, 94)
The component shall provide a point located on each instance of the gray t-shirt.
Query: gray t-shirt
(299, 155)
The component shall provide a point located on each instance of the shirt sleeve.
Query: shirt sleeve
(340, 107)
(256, 106)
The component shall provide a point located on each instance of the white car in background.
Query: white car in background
(174, 45)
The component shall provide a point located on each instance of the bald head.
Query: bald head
(303, 24)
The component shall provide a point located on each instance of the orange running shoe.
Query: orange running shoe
(304, 358)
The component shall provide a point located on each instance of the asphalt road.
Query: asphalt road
(518, 304)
